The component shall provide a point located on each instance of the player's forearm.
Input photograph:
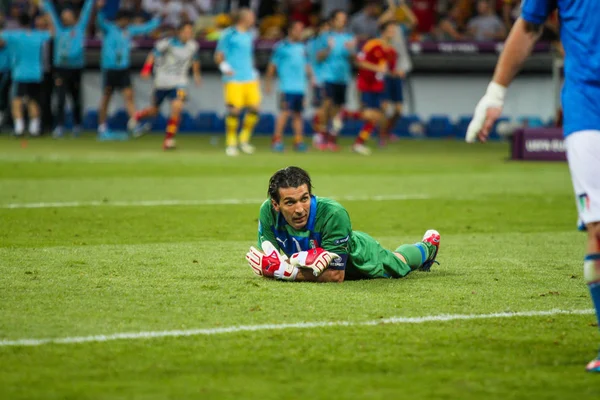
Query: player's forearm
(196, 69)
(328, 276)
(412, 18)
(270, 72)
(323, 54)
(219, 57)
(368, 66)
(389, 14)
(517, 48)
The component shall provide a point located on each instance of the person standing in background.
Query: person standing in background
(393, 98)
(25, 48)
(115, 60)
(235, 57)
(5, 81)
(329, 6)
(290, 62)
(486, 26)
(313, 47)
(68, 60)
(42, 24)
(364, 25)
(337, 56)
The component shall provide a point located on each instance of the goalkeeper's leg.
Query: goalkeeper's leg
(422, 254)
(370, 260)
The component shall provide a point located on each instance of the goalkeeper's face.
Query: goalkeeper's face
(294, 205)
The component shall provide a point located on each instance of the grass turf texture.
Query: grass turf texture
(508, 244)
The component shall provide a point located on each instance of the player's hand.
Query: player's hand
(270, 263)
(487, 111)
(100, 4)
(316, 259)
(400, 74)
(331, 43)
(225, 68)
(350, 45)
(383, 68)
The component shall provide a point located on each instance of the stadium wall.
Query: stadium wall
(439, 94)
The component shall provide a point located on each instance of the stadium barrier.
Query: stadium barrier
(538, 144)
(209, 122)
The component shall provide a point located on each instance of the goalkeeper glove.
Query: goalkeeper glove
(316, 259)
(270, 263)
(486, 113)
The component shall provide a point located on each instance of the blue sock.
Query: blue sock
(593, 280)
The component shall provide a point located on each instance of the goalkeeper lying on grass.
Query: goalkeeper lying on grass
(316, 236)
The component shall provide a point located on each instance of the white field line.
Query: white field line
(156, 203)
(275, 327)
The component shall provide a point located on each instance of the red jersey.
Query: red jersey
(425, 11)
(375, 51)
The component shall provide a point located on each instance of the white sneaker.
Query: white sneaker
(247, 148)
(131, 124)
(169, 144)
(361, 149)
(232, 151)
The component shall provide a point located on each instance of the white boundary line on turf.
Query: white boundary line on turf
(274, 327)
(157, 203)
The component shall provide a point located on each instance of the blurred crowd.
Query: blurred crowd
(421, 20)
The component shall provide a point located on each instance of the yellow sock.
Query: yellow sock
(250, 121)
(231, 126)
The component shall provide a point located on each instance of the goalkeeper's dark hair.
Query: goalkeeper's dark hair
(290, 177)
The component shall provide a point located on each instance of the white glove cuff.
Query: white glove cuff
(286, 272)
(225, 68)
(496, 92)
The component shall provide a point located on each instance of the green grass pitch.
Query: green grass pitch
(119, 259)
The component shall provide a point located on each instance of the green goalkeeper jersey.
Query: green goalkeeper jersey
(329, 227)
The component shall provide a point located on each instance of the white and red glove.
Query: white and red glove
(270, 263)
(487, 111)
(316, 259)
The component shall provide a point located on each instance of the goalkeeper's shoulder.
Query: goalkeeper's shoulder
(265, 213)
(265, 207)
(329, 206)
(329, 210)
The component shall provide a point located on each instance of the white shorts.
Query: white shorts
(583, 153)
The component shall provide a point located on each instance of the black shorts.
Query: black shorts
(336, 93)
(32, 90)
(116, 79)
(68, 76)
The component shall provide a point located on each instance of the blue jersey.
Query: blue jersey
(580, 33)
(313, 47)
(116, 44)
(69, 41)
(5, 60)
(291, 62)
(25, 52)
(337, 66)
(238, 47)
